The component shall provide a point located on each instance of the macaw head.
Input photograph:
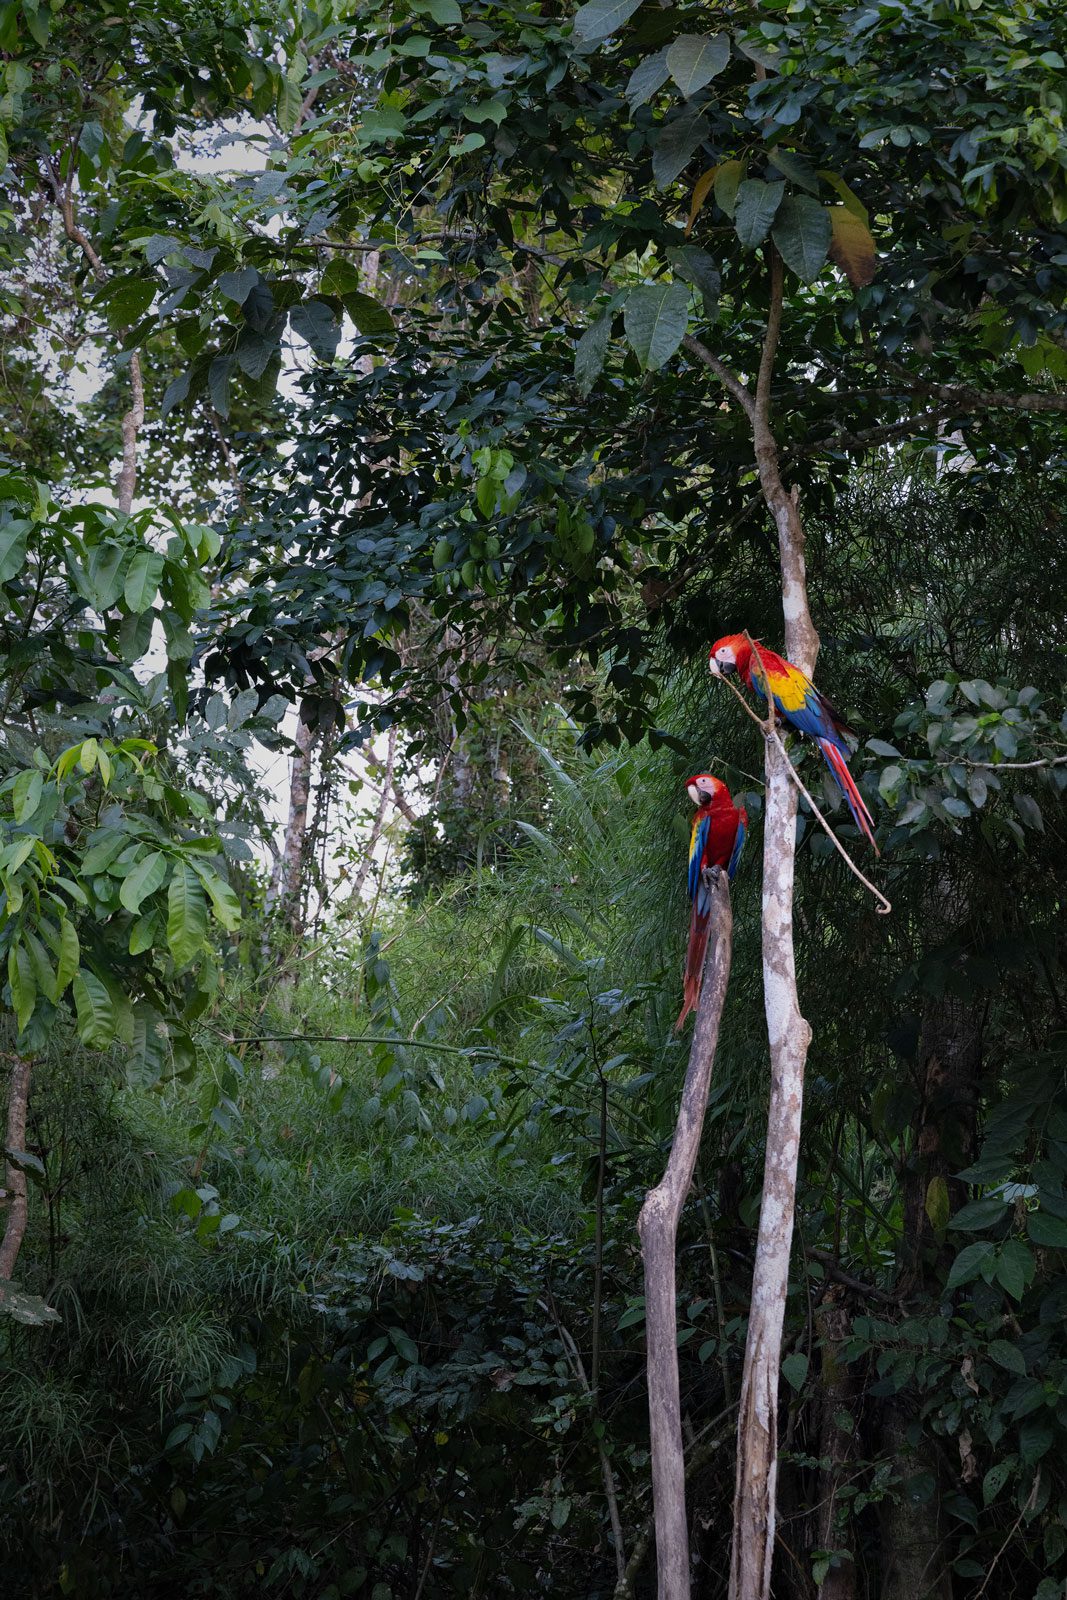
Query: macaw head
(729, 654)
(704, 788)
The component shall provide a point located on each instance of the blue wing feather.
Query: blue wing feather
(739, 844)
(697, 845)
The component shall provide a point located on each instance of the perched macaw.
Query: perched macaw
(716, 840)
(798, 703)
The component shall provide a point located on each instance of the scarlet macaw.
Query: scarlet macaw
(716, 840)
(798, 703)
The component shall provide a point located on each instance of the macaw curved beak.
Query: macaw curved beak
(725, 668)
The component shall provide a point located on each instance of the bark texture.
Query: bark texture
(284, 893)
(835, 1441)
(18, 1096)
(788, 1033)
(658, 1228)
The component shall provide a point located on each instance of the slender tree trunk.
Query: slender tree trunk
(658, 1228)
(788, 1033)
(385, 795)
(18, 1095)
(283, 894)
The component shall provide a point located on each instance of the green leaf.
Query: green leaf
(795, 1369)
(290, 100)
(802, 234)
(13, 537)
(68, 955)
(143, 580)
(592, 351)
(42, 968)
(145, 877)
(186, 915)
(655, 318)
(937, 1202)
(693, 60)
(980, 1214)
(1030, 812)
(96, 1016)
(315, 322)
(446, 12)
(677, 142)
(218, 387)
(1008, 1356)
(1015, 1267)
(599, 18)
(757, 204)
(994, 1480)
(23, 984)
(106, 564)
(968, 1264)
(727, 182)
(26, 795)
(224, 902)
(648, 76)
(1048, 1231)
(795, 168)
(369, 317)
(698, 268)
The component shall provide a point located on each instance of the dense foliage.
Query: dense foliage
(413, 448)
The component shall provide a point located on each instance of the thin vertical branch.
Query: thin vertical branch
(18, 1095)
(658, 1228)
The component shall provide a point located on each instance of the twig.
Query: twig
(885, 907)
(1031, 1498)
(1015, 766)
(728, 380)
(610, 1492)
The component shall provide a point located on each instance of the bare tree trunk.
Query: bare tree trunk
(18, 1095)
(658, 1228)
(384, 797)
(284, 891)
(788, 1033)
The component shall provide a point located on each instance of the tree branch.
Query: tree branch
(658, 1228)
(722, 372)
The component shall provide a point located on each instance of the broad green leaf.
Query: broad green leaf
(1015, 1267)
(968, 1264)
(592, 350)
(1029, 811)
(852, 201)
(445, 12)
(104, 846)
(1048, 1231)
(23, 984)
(655, 318)
(186, 915)
(693, 60)
(143, 580)
(13, 537)
(851, 247)
(980, 1214)
(43, 973)
(68, 954)
(648, 76)
(290, 100)
(145, 877)
(802, 233)
(794, 167)
(369, 316)
(96, 1018)
(26, 795)
(1008, 1356)
(795, 1369)
(315, 322)
(106, 566)
(144, 933)
(224, 902)
(677, 142)
(937, 1202)
(697, 268)
(218, 385)
(728, 176)
(995, 1479)
(599, 18)
(757, 205)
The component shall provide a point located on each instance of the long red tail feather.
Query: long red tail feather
(847, 784)
(699, 928)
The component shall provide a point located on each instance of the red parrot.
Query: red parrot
(716, 840)
(798, 703)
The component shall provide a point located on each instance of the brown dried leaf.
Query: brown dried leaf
(851, 247)
(701, 190)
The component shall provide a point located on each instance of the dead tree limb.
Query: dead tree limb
(658, 1228)
(18, 1095)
